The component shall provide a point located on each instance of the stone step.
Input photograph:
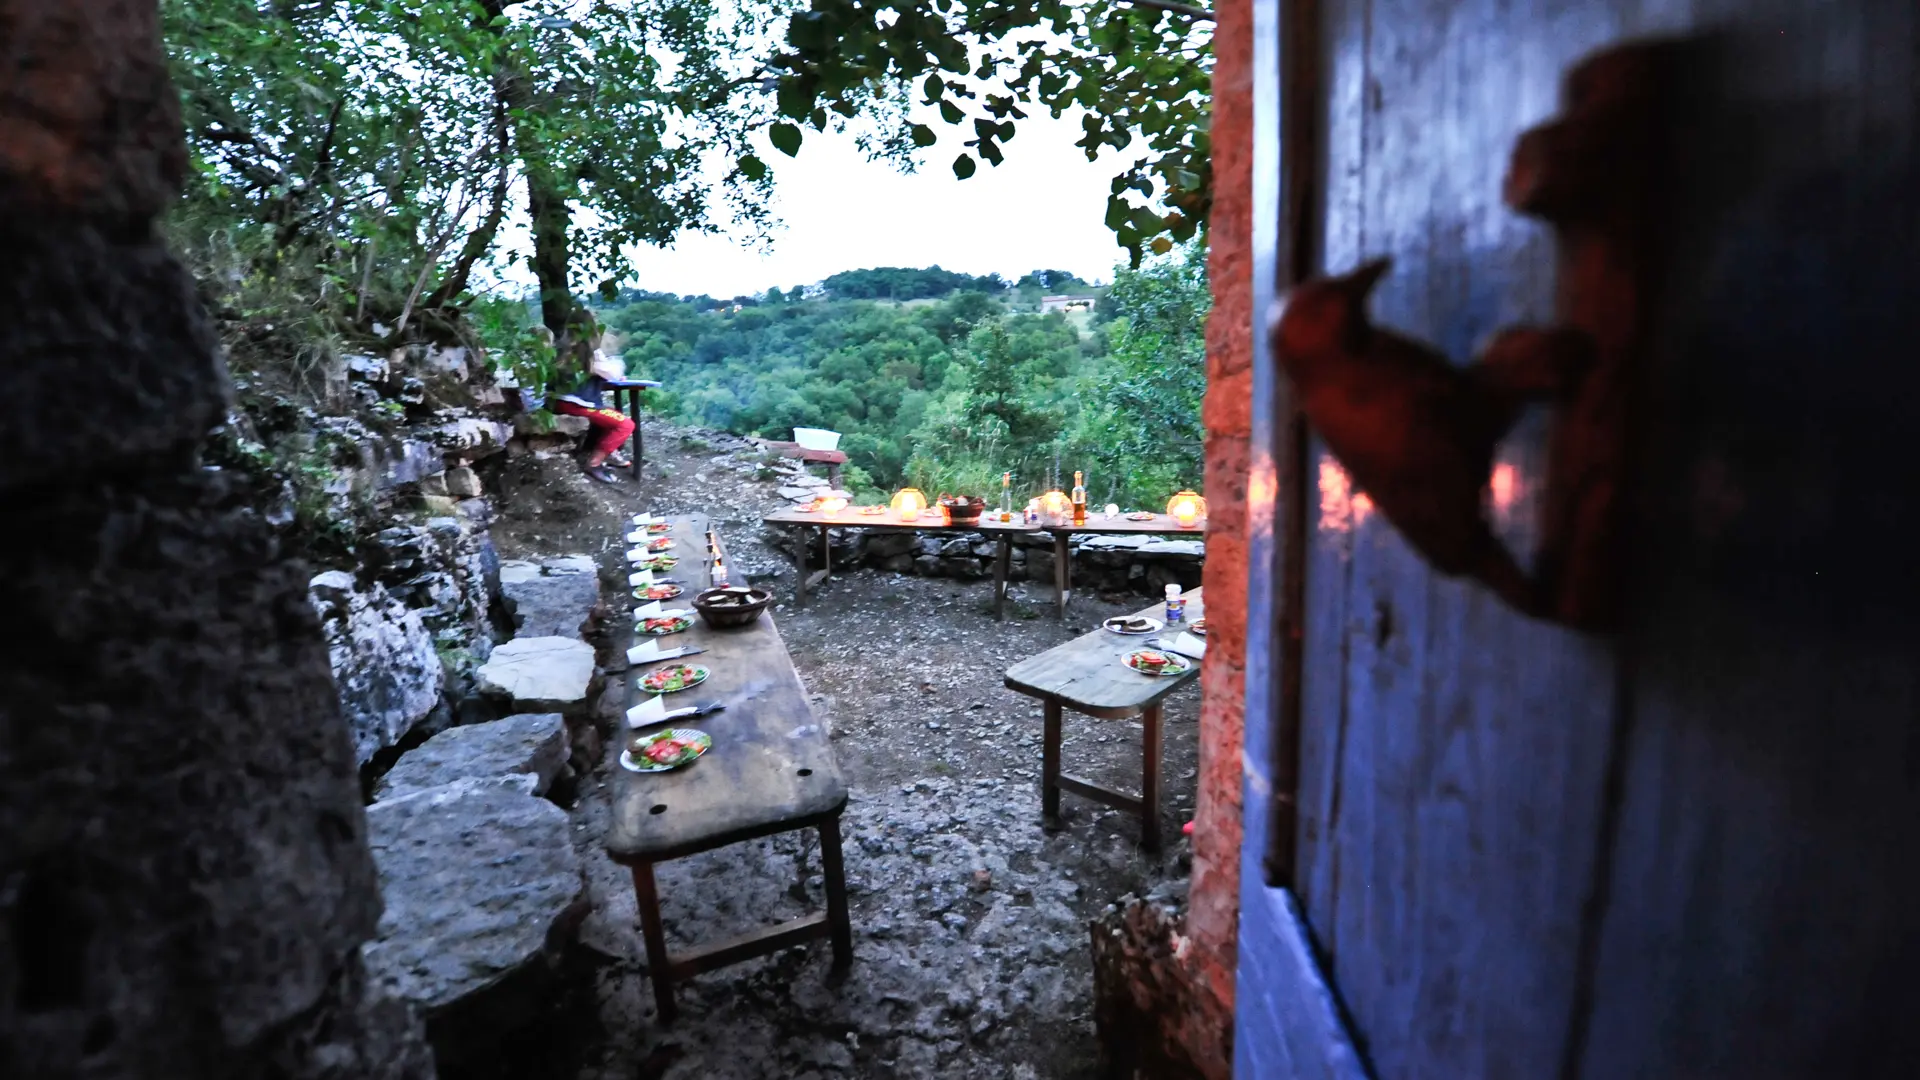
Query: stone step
(529, 744)
(540, 674)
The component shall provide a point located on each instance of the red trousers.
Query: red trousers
(612, 425)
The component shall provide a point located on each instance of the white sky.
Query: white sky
(1040, 209)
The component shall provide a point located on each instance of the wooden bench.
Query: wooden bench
(1086, 675)
(632, 387)
(771, 770)
(832, 459)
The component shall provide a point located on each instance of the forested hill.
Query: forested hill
(953, 388)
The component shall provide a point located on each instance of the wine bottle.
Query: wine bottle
(1006, 496)
(1079, 497)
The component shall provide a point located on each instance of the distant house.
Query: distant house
(1066, 303)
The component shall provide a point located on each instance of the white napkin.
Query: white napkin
(644, 520)
(639, 537)
(649, 611)
(644, 653)
(1188, 645)
(638, 555)
(650, 711)
(640, 577)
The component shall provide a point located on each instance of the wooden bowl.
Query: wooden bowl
(732, 607)
(962, 509)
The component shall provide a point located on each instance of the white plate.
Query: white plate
(1154, 627)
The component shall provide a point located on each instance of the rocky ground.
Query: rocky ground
(970, 921)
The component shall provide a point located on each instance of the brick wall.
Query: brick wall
(1214, 909)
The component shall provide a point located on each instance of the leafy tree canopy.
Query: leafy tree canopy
(1141, 69)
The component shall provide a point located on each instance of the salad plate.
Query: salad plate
(657, 592)
(1133, 625)
(664, 750)
(672, 679)
(664, 625)
(1155, 662)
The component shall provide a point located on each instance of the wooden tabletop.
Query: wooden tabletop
(771, 767)
(1086, 674)
(851, 518)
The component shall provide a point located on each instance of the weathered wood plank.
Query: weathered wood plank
(1087, 674)
(758, 942)
(1087, 789)
(771, 767)
(1445, 836)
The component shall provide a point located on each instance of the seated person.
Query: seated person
(611, 427)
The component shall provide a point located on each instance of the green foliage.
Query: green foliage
(1142, 420)
(900, 283)
(363, 155)
(1139, 72)
(949, 395)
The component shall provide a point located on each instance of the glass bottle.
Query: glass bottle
(1176, 605)
(1006, 496)
(1079, 498)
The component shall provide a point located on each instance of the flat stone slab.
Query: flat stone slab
(474, 876)
(539, 674)
(1194, 548)
(551, 597)
(529, 744)
(797, 494)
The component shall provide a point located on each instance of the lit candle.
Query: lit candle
(1186, 509)
(908, 503)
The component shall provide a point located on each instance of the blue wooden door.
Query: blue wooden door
(1691, 848)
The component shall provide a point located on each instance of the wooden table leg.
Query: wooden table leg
(826, 554)
(800, 570)
(1002, 568)
(1050, 763)
(655, 934)
(1062, 573)
(1150, 779)
(640, 441)
(835, 871)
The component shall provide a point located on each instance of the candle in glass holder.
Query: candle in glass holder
(1056, 508)
(908, 503)
(1186, 509)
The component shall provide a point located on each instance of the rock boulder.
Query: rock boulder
(529, 744)
(478, 879)
(385, 668)
(540, 674)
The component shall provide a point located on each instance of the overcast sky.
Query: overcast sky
(1041, 209)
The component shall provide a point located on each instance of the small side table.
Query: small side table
(632, 409)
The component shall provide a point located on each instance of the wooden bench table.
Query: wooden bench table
(771, 770)
(933, 522)
(632, 387)
(1086, 675)
(1003, 534)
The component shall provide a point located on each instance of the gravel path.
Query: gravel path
(970, 920)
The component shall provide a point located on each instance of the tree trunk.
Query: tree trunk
(184, 874)
(480, 241)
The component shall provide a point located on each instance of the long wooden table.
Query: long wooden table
(771, 770)
(1086, 675)
(1002, 534)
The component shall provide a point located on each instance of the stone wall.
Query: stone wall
(1169, 1009)
(1213, 906)
(185, 878)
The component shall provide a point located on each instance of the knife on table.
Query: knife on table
(692, 711)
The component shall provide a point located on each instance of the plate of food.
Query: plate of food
(873, 511)
(660, 591)
(663, 543)
(660, 562)
(1155, 662)
(673, 678)
(1198, 629)
(659, 528)
(664, 625)
(664, 750)
(1132, 625)
(1140, 515)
